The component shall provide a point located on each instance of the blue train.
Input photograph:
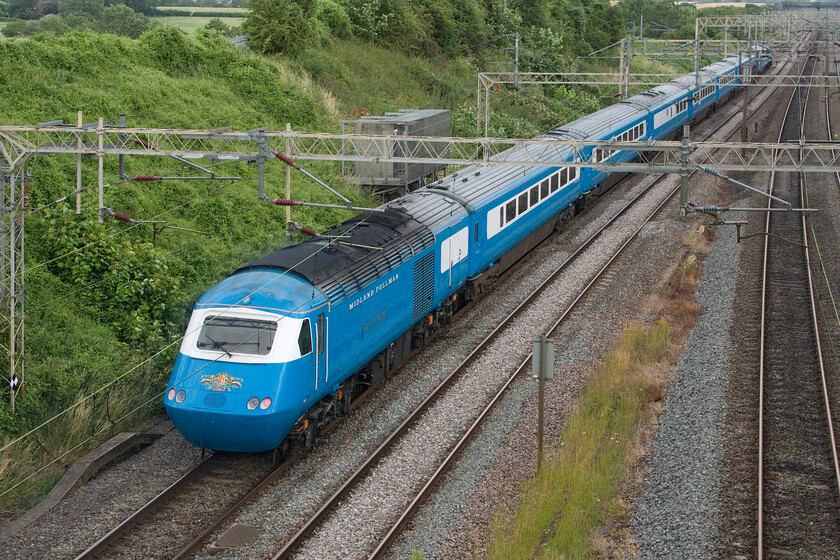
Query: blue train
(280, 348)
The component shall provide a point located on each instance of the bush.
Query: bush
(279, 27)
(170, 50)
(136, 289)
(335, 17)
(219, 26)
(20, 28)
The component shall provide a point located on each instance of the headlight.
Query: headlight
(171, 394)
(252, 403)
(265, 403)
(180, 396)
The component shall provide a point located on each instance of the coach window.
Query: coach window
(535, 195)
(305, 338)
(320, 334)
(523, 203)
(510, 210)
(475, 235)
(554, 185)
(573, 173)
(544, 189)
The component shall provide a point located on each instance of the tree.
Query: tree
(273, 26)
(24, 9)
(216, 24)
(119, 19)
(92, 8)
(146, 7)
(369, 20)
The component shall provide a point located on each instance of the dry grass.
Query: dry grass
(49, 452)
(574, 507)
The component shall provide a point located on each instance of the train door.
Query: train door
(454, 251)
(321, 362)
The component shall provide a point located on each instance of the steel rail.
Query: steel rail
(760, 520)
(823, 376)
(396, 527)
(100, 546)
(312, 522)
(309, 526)
(252, 494)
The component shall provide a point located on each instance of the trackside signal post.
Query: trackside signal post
(542, 368)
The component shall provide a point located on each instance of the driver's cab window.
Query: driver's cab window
(305, 338)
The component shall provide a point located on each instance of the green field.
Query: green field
(204, 9)
(191, 24)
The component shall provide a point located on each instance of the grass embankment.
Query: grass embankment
(577, 490)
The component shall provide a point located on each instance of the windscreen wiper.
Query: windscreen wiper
(219, 346)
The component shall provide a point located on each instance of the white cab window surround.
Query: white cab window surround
(284, 347)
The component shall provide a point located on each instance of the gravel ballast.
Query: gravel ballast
(680, 504)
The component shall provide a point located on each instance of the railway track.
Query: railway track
(311, 525)
(165, 514)
(215, 484)
(798, 475)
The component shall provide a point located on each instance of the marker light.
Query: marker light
(252, 403)
(265, 403)
(171, 394)
(180, 396)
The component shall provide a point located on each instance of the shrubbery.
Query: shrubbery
(431, 27)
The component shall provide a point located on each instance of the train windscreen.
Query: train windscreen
(236, 334)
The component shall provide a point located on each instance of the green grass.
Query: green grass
(574, 491)
(203, 9)
(192, 24)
